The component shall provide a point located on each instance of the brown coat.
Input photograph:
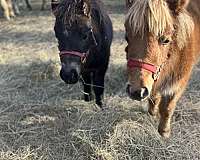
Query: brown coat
(167, 36)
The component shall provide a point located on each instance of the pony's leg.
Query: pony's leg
(98, 81)
(10, 7)
(4, 5)
(28, 4)
(43, 4)
(154, 102)
(166, 108)
(87, 87)
(16, 7)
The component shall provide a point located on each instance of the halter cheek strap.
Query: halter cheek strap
(83, 56)
(133, 63)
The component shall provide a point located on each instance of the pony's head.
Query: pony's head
(155, 31)
(73, 30)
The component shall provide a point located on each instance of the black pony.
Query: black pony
(84, 33)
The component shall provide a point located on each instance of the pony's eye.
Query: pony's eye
(164, 40)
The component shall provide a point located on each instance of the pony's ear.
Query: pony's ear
(177, 5)
(96, 16)
(54, 6)
(129, 3)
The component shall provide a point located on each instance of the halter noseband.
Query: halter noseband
(83, 56)
(155, 70)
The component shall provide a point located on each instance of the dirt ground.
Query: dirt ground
(43, 118)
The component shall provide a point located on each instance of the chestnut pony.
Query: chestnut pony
(163, 39)
(84, 33)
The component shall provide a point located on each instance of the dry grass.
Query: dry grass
(42, 118)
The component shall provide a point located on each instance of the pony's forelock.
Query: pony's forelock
(156, 16)
(153, 14)
(68, 11)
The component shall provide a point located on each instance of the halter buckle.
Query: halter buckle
(84, 58)
(156, 75)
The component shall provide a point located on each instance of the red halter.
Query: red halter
(83, 56)
(133, 63)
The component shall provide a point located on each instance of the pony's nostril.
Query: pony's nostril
(137, 94)
(144, 92)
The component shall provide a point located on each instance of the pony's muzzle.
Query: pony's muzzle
(69, 77)
(137, 94)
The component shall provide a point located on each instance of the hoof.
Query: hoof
(88, 98)
(8, 18)
(165, 134)
(100, 105)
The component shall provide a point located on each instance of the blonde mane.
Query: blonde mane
(185, 28)
(153, 14)
(156, 16)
